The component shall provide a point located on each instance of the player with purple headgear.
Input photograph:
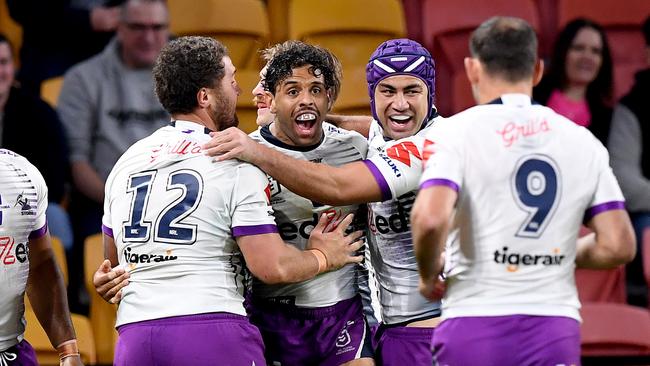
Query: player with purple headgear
(401, 86)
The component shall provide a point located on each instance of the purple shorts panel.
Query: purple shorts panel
(516, 340)
(327, 336)
(404, 346)
(21, 354)
(204, 339)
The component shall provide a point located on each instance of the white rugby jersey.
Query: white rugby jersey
(296, 217)
(174, 213)
(526, 179)
(23, 201)
(397, 167)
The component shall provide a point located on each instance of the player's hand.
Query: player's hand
(433, 289)
(71, 361)
(339, 249)
(110, 281)
(231, 143)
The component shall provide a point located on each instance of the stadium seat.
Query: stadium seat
(50, 90)
(12, 30)
(279, 27)
(600, 285)
(413, 13)
(102, 314)
(614, 330)
(352, 32)
(447, 25)
(622, 24)
(243, 28)
(46, 354)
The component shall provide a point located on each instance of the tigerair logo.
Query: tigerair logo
(134, 258)
(513, 260)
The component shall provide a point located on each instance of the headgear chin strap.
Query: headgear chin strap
(401, 57)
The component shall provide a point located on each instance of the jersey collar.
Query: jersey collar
(190, 127)
(267, 135)
(520, 100)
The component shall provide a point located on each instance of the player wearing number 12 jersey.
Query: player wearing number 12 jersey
(517, 180)
(188, 229)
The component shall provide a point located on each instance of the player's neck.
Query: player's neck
(195, 117)
(494, 88)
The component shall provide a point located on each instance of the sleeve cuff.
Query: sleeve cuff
(254, 230)
(381, 181)
(440, 182)
(607, 206)
(38, 233)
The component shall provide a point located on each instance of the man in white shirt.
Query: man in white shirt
(27, 265)
(401, 79)
(189, 230)
(507, 185)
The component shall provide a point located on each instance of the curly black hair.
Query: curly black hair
(299, 54)
(184, 66)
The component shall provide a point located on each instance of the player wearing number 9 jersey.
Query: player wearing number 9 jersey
(517, 180)
(188, 229)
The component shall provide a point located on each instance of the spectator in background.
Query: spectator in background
(22, 115)
(60, 33)
(631, 163)
(579, 82)
(106, 104)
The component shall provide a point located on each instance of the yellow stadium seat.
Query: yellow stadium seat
(351, 30)
(46, 354)
(102, 314)
(59, 256)
(242, 26)
(278, 10)
(50, 90)
(12, 30)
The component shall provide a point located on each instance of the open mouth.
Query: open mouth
(305, 122)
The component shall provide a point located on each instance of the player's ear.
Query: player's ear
(273, 109)
(538, 72)
(472, 69)
(329, 100)
(202, 98)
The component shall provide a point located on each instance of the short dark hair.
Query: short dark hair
(124, 6)
(299, 54)
(646, 30)
(184, 66)
(506, 46)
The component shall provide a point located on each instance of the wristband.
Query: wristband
(321, 258)
(67, 349)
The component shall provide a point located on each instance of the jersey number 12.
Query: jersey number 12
(168, 226)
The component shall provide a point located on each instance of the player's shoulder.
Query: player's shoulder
(342, 136)
(13, 158)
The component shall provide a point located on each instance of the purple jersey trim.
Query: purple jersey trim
(439, 182)
(107, 230)
(39, 232)
(607, 206)
(381, 181)
(254, 230)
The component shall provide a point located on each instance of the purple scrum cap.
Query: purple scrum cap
(401, 57)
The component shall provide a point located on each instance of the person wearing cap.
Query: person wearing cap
(401, 80)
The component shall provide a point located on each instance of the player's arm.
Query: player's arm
(348, 184)
(110, 279)
(273, 261)
(360, 124)
(612, 243)
(430, 218)
(46, 292)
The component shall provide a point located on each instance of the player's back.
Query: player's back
(174, 213)
(23, 201)
(527, 177)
